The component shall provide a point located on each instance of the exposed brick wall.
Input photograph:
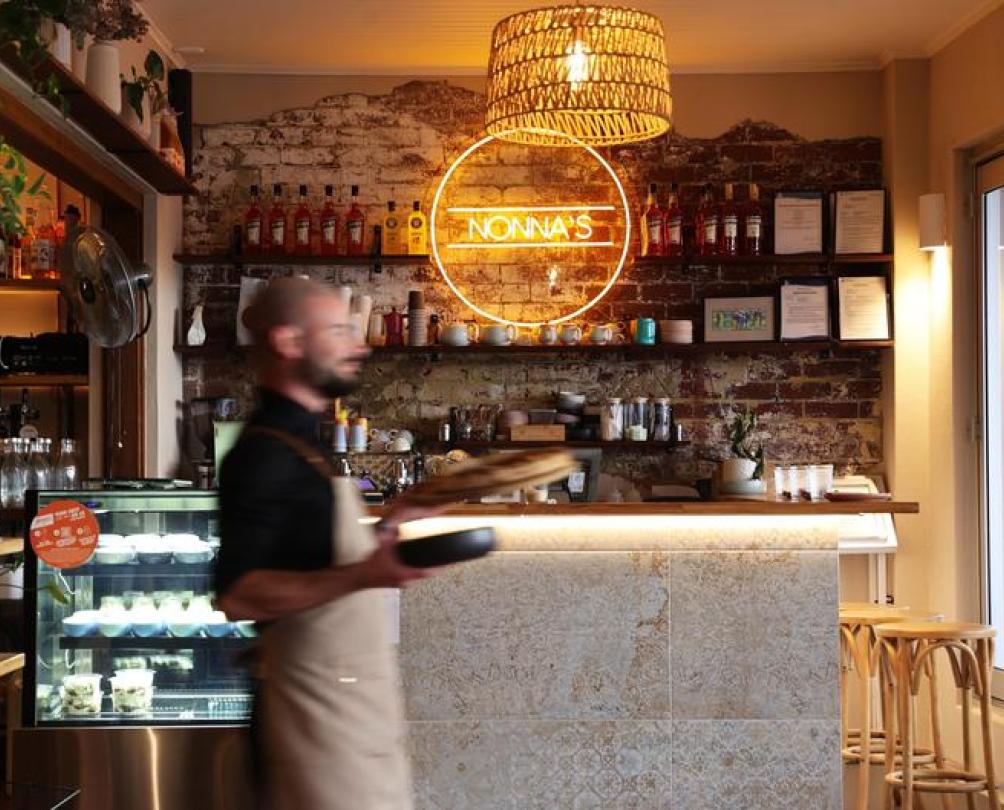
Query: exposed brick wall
(815, 407)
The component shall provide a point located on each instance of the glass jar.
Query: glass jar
(6, 476)
(14, 473)
(639, 414)
(662, 420)
(612, 420)
(39, 472)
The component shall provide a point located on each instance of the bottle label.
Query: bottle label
(253, 232)
(731, 226)
(43, 254)
(753, 226)
(675, 232)
(329, 229)
(278, 232)
(303, 232)
(654, 232)
(356, 232)
(711, 230)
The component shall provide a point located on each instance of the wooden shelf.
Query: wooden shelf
(43, 380)
(615, 446)
(104, 125)
(29, 285)
(11, 545)
(560, 352)
(283, 260)
(817, 259)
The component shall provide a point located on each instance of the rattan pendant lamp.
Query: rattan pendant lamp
(597, 73)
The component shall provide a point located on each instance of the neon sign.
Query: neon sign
(487, 252)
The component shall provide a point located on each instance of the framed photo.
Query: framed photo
(739, 320)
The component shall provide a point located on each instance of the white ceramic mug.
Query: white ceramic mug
(498, 334)
(455, 334)
(548, 334)
(601, 333)
(570, 334)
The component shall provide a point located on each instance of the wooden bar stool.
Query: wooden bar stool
(859, 652)
(907, 649)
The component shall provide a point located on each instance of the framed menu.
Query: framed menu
(859, 221)
(805, 309)
(798, 222)
(863, 307)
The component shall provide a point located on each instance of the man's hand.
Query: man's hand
(383, 569)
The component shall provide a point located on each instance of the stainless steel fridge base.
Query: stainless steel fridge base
(151, 768)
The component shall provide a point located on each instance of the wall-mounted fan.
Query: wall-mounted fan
(109, 296)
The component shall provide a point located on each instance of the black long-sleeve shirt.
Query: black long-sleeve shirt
(275, 507)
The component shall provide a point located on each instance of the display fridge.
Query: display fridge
(136, 689)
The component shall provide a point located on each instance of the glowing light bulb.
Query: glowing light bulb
(578, 64)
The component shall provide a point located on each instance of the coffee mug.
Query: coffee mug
(455, 334)
(548, 334)
(498, 334)
(570, 334)
(643, 330)
(601, 333)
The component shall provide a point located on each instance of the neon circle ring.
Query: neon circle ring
(583, 229)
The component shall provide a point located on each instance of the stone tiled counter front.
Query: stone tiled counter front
(628, 661)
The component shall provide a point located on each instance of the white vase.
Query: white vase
(155, 131)
(197, 331)
(103, 74)
(60, 44)
(128, 115)
(78, 61)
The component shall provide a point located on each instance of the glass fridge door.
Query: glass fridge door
(132, 637)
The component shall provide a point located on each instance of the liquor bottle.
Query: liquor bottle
(16, 256)
(355, 227)
(45, 246)
(673, 232)
(393, 232)
(653, 225)
(301, 225)
(329, 224)
(418, 231)
(706, 224)
(729, 242)
(753, 243)
(28, 244)
(277, 222)
(252, 224)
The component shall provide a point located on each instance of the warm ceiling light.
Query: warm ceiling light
(597, 73)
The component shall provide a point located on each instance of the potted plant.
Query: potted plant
(142, 97)
(23, 26)
(14, 186)
(107, 21)
(743, 472)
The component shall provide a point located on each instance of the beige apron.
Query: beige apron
(332, 722)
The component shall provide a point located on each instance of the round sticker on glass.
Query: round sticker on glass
(64, 534)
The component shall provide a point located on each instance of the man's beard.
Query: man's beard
(325, 382)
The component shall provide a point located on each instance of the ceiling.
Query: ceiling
(451, 37)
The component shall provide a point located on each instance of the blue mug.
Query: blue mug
(643, 330)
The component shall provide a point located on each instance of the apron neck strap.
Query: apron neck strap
(305, 450)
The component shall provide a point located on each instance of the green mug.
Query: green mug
(643, 330)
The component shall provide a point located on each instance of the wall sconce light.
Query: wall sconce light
(932, 225)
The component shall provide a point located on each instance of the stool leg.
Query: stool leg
(931, 671)
(845, 697)
(967, 748)
(889, 687)
(985, 656)
(903, 681)
(864, 666)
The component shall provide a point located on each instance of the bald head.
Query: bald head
(305, 337)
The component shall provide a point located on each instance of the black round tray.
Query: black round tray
(444, 549)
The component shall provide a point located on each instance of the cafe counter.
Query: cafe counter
(631, 655)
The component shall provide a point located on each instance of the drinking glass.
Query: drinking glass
(794, 482)
(780, 481)
(814, 482)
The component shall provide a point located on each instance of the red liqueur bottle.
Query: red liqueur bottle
(706, 225)
(355, 227)
(252, 224)
(653, 225)
(329, 224)
(301, 225)
(673, 231)
(277, 222)
(753, 230)
(729, 243)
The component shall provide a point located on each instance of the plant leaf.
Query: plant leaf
(57, 593)
(36, 185)
(154, 66)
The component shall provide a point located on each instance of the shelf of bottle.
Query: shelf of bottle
(43, 381)
(154, 643)
(562, 351)
(29, 285)
(815, 259)
(616, 446)
(292, 260)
